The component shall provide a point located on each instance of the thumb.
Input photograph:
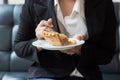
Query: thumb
(50, 22)
(79, 37)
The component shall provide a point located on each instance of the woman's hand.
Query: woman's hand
(43, 26)
(75, 50)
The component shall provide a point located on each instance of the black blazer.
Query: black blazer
(98, 49)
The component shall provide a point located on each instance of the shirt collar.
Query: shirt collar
(56, 2)
(75, 8)
(56, 5)
(78, 7)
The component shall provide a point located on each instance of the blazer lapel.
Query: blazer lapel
(52, 13)
(94, 14)
(87, 16)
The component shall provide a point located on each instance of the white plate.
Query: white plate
(43, 44)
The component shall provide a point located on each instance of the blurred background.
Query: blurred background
(22, 1)
(12, 1)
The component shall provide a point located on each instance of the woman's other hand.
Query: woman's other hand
(75, 50)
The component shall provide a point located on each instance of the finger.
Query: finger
(39, 36)
(77, 49)
(79, 37)
(69, 51)
(49, 29)
(40, 28)
(39, 31)
(44, 23)
(50, 22)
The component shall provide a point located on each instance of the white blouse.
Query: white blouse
(75, 23)
(72, 25)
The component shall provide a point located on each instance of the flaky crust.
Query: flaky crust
(57, 39)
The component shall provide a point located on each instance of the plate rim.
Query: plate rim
(51, 47)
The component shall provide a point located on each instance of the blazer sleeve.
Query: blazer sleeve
(26, 34)
(102, 51)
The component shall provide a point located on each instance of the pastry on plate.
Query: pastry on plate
(57, 39)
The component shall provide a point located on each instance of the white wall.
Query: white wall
(22, 1)
(1, 1)
(116, 0)
(16, 1)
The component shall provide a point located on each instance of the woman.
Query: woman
(91, 20)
